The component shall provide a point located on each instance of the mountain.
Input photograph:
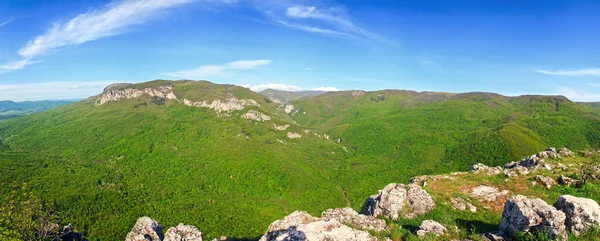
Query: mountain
(282, 97)
(230, 161)
(10, 109)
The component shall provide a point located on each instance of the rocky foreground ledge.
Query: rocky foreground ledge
(520, 214)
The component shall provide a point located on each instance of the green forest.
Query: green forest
(102, 166)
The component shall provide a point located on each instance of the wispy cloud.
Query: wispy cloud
(114, 19)
(323, 20)
(205, 71)
(6, 22)
(51, 90)
(16, 65)
(578, 95)
(594, 84)
(570, 72)
(284, 87)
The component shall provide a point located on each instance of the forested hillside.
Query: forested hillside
(222, 158)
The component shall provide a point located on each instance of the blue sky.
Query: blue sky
(73, 48)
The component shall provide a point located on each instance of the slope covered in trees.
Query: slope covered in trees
(102, 166)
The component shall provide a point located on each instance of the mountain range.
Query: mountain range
(231, 160)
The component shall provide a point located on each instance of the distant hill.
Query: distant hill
(10, 109)
(231, 161)
(593, 105)
(282, 97)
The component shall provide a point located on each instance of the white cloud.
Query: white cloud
(51, 90)
(116, 18)
(570, 72)
(578, 95)
(326, 88)
(323, 20)
(16, 65)
(247, 64)
(206, 71)
(308, 69)
(284, 87)
(594, 84)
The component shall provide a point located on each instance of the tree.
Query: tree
(24, 216)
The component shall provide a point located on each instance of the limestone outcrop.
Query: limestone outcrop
(430, 226)
(581, 213)
(183, 233)
(522, 214)
(114, 94)
(398, 199)
(354, 219)
(145, 229)
(257, 116)
(302, 226)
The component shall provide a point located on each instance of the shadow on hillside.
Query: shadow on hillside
(475, 226)
(411, 228)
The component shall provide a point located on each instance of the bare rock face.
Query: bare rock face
(183, 233)
(111, 94)
(288, 109)
(565, 181)
(145, 229)
(462, 204)
(396, 199)
(522, 214)
(257, 116)
(281, 128)
(302, 226)
(545, 181)
(352, 218)
(516, 171)
(430, 226)
(486, 193)
(581, 213)
(220, 106)
(293, 135)
(481, 168)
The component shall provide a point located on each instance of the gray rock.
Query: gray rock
(462, 204)
(565, 181)
(302, 226)
(522, 214)
(481, 168)
(350, 217)
(145, 229)
(397, 199)
(565, 152)
(581, 213)
(430, 226)
(545, 181)
(486, 193)
(183, 233)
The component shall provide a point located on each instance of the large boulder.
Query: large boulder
(183, 233)
(145, 229)
(581, 213)
(545, 181)
(302, 226)
(399, 199)
(522, 214)
(350, 217)
(430, 226)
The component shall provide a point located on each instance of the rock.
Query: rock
(302, 226)
(112, 93)
(481, 168)
(545, 181)
(227, 105)
(517, 171)
(145, 229)
(350, 217)
(430, 226)
(486, 193)
(183, 233)
(397, 199)
(511, 165)
(566, 152)
(586, 154)
(562, 166)
(281, 128)
(565, 181)
(293, 135)
(494, 236)
(581, 213)
(551, 149)
(288, 109)
(69, 234)
(462, 204)
(522, 214)
(257, 116)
